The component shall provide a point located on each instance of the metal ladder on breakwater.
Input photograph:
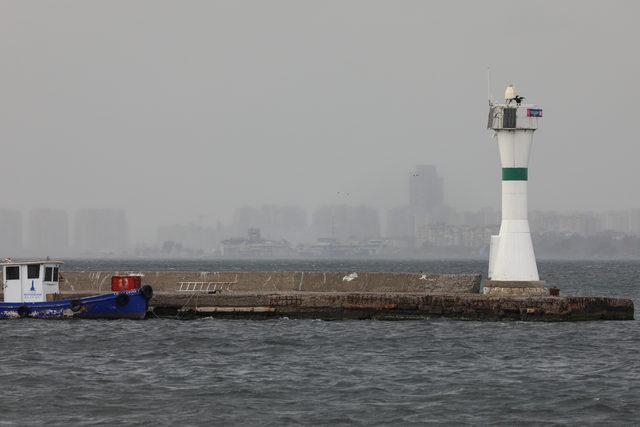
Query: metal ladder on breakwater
(206, 287)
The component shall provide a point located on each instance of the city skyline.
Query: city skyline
(292, 120)
(424, 224)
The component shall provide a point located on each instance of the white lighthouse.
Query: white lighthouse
(512, 263)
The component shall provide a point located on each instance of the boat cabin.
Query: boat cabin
(30, 281)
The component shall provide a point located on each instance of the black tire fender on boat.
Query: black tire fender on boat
(75, 305)
(146, 291)
(23, 311)
(122, 299)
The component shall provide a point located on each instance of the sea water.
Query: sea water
(284, 371)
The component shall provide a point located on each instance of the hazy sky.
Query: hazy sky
(172, 109)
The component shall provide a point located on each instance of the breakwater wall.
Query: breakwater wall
(343, 295)
(286, 281)
(393, 306)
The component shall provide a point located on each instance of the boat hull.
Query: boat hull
(118, 305)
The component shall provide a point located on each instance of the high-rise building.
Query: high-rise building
(48, 232)
(400, 222)
(274, 221)
(100, 231)
(484, 217)
(426, 205)
(10, 232)
(580, 223)
(634, 221)
(426, 193)
(187, 237)
(616, 221)
(344, 222)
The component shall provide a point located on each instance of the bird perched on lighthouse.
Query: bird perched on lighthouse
(510, 94)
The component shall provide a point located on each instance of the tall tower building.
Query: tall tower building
(426, 192)
(343, 222)
(100, 231)
(511, 252)
(10, 232)
(48, 232)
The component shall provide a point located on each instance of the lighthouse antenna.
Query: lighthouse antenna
(489, 96)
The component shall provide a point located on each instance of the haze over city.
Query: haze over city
(329, 212)
(184, 112)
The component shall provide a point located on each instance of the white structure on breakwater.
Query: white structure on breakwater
(511, 253)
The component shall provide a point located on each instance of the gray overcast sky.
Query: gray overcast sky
(172, 109)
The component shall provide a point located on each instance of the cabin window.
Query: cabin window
(33, 271)
(13, 273)
(55, 274)
(48, 274)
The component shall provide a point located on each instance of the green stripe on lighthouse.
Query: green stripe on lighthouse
(515, 174)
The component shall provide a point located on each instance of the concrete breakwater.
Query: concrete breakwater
(344, 295)
(393, 306)
(209, 282)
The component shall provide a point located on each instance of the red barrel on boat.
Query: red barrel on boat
(125, 283)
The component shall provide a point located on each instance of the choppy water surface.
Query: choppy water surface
(316, 372)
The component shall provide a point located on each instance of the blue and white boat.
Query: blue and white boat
(31, 289)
